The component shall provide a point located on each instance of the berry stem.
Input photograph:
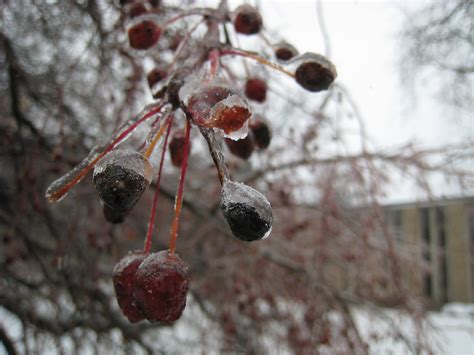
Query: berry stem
(60, 187)
(193, 12)
(179, 196)
(151, 224)
(156, 138)
(217, 155)
(214, 59)
(256, 57)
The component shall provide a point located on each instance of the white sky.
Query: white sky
(364, 50)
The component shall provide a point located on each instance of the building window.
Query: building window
(443, 265)
(425, 232)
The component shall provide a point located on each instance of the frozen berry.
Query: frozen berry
(144, 35)
(123, 278)
(176, 147)
(246, 210)
(247, 20)
(285, 51)
(160, 287)
(243, 148)
(256, 89)
(137, 10)
(315, 73)
(155, 76)
(121, 177)
(114, 216)
(261, 132)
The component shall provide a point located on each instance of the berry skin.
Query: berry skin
(285, 51)
(155, 76)
(256, 89)
(121, 177)
(247, 211)
(160, 287)
(144, 35)
(123, 278)
(114, 216)
(315, 73)
(247, 20)
(261, 133)
(176, 147)
(243, 148)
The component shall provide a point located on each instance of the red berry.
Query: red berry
(285, 51)
(155, 76)
(123, 278)
(160, 287)
(256, 89)
(315, 73)
(144, 35)
(261, 132)
(176, 147)
(242, 148)
(137, 10)
(247, 20)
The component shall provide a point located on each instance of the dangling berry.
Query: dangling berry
(247, 20)
(314, 72)
(144, 35)
(285, 51)
(121, 177)
(256, 89)
(247, 211)
(160, 287)
(243, 148)
(123, 278)
(176, 147)
(261, 132)
(155, 76)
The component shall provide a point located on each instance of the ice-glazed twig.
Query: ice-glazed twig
(156, 132)
(59, 188)
(216, 153)
(179, 196)
(151, 224)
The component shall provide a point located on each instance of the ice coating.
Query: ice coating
(127, 159)
(60, 187)
(247, 211)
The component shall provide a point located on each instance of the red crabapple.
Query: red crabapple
(144, 35)
(247, 20)
(256, 89)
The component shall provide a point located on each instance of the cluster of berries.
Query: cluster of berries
(153, 286)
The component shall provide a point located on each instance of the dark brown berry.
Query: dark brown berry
(285, 51)
(155, 76)
(114, 216)
(247, 20)
(243, 148)
(160, 287)
(247, 211)
(123, 278)
(176, 147)
(315, 73)
(256, 89)
(144, 35)
(121, 177)
(261, 132)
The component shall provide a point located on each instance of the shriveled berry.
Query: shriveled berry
(243, 148)
(285, 51)
(246, 210)
(256, 89)
(137, 10)
(121, 177)
(176, 147)
(113, 215)
(144, 35)
(155, 76)
(315, 73)
(247, 20)
(261, 132)
(123, 278)
(160, 287)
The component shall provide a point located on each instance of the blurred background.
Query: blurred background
(371, 184)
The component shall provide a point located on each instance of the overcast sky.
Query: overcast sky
(364, 48)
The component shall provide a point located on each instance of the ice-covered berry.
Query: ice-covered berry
(314, 72)
(285, 51)
(176, 147)
(246, 210)
(160, 287)
(256, 89)
(261, 132)
(242, 148)
(247, 20)
(123, 278)
(144, 35)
